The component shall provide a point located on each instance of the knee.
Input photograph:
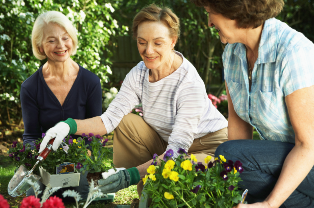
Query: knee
(227, 148)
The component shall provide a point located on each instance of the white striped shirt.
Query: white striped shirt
(177, 107)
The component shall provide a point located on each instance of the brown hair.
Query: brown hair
(247, 13)
(155, 13)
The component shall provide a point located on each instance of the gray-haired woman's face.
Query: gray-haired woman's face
(57, 43)
(155, 44)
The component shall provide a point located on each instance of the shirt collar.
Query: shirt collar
(267, 46)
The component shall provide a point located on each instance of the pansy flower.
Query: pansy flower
(182, 151)
(223, 174)
(199, 167)
(104, 142)
(14, 144)
(168, 195)
(91, 134)
(238, 166)
(23, 150)
(168, 155)
(231, 188)
(195, 190)
(79, 165)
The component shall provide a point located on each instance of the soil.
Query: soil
(94, 176)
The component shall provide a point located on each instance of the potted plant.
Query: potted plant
(185, 182)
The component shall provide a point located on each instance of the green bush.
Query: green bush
(93, 21)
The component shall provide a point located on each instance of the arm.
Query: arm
(237, 128)
(299, 161)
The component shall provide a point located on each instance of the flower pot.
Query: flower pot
(59, 180)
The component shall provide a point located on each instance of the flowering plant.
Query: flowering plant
(221, 103)
(72, 151)
(100, 158)
(138, 110)
(184, 182)
(109, 96)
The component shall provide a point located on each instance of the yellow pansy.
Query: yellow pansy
(168, 195)
(79, 146)
(145, 179)
(193, 158)
(207, 159)
(170, 164)
(74, 141)
(222, 158)
(152, 176)
(174, 176)
(151, 169)
(235, 170)
(186, 165)
(165, 173)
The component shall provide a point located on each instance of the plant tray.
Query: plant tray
(59, 180)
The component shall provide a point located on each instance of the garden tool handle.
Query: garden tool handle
(46, 151)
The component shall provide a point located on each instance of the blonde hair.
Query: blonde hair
(44, 19)
(155, 13)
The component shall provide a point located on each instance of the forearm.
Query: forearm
(239, 129)
(91, 125)
(142, 169)
(295, 168)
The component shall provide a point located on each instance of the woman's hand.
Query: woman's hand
(263, 204)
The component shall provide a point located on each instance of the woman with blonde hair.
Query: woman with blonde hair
(60, 88)
(177, 114)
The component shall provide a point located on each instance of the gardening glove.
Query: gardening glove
(121, 179)
(59, 131)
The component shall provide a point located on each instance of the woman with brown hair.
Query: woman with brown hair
(177, 114)
(269, 80)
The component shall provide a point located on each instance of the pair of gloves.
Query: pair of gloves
(113, 180)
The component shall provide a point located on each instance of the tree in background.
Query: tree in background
(93, 21)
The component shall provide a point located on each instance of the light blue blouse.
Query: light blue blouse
(285, 64)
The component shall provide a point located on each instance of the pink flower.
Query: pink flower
(223, 97)
(30, 202)
(3, 203)
(53, 202)
(214, 99)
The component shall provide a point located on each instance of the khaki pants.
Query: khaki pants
(135, 143)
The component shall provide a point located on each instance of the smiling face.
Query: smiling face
(227, 28)
(57, 43)
(155, 45)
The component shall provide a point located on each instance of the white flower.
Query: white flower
(101, 24)
(1, 16)
(108, 95)
(113, 90)
(14, 62)
(108, 5)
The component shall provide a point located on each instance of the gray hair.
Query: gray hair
(44, 19)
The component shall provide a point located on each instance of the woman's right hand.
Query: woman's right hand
(59, 131)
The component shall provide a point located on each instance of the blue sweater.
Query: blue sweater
(42, 110)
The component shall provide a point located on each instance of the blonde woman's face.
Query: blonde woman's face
(57, 43)
(155, 45)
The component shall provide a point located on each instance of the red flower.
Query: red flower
(53, 202)
(3, 202)
(30, 202)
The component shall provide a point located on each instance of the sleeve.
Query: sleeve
(190, 107)
(297, 69)
(123, 103)
(94, 101)
(30, 114)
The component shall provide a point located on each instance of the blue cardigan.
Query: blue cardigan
(42, 110)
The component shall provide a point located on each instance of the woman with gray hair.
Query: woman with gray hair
(60, 88)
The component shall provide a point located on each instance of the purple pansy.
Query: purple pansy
(29, 155)
(223, 174)
(231, 188)
(98, 136)
(37, 147)
(238, 166)
(84, 135)
(195, 190)
(104, 142)
(155, 156)
(199, 167)
(168, 155)
(210, 164)
(79, 166)
(11, 155)
(70, 141)
(14, 144)
(43, 135)
(227, 167)
(23, 150)
(90, 139)
(90, 134)
(182, 151)
(17, 158)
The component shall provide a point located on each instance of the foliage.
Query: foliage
(109, 96)
(186, 183)
(100, 158)
(93, 21)
(138, 110)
